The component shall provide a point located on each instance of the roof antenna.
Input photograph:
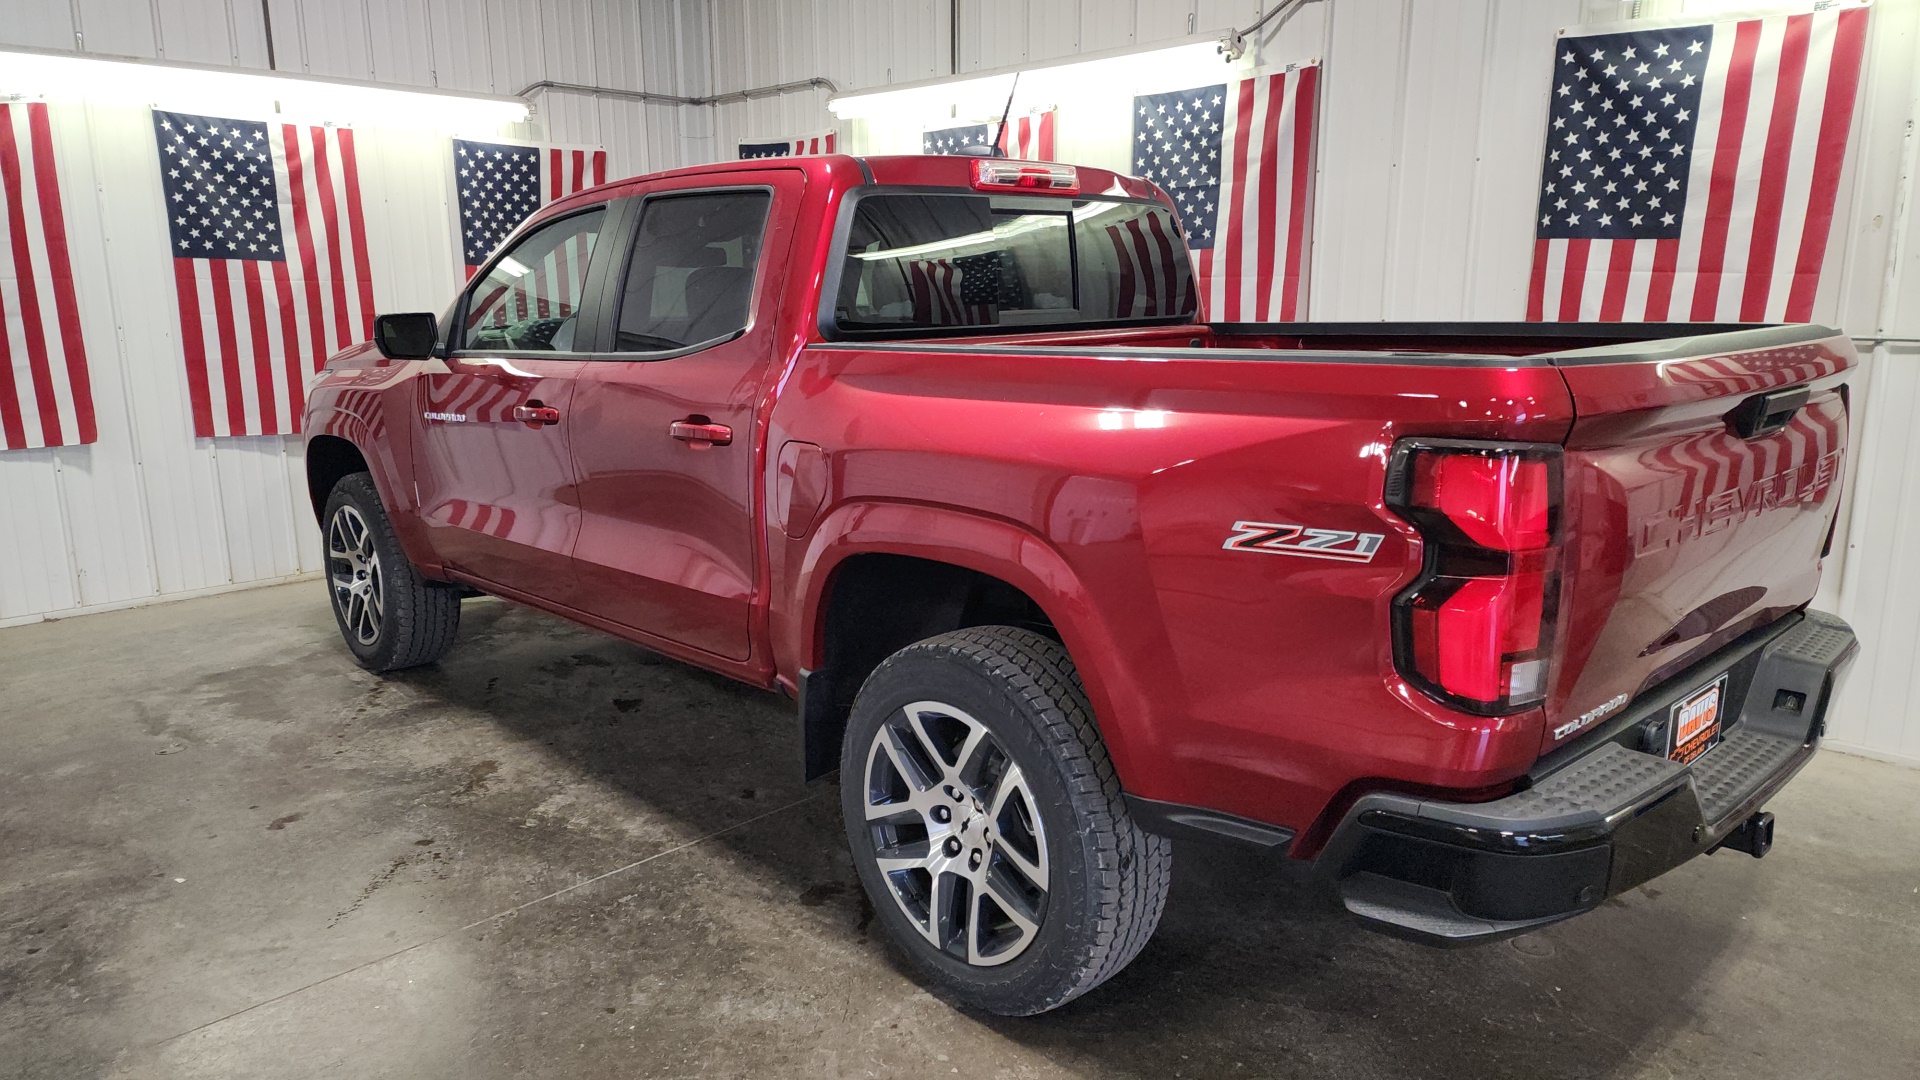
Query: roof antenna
(1000, 138)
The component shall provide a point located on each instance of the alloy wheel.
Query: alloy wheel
(353, 570)
(956, 833)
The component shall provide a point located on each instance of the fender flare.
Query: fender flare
(987, 545)
(339, 421)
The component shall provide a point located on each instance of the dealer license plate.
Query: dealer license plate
(1695, 721)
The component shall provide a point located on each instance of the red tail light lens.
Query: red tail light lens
(1498, 501)
(1000, 173)
(1475, 630)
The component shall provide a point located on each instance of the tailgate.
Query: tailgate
(1702, 479)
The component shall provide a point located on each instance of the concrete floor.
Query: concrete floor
(226, 851)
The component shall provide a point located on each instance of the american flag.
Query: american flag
(1144, 250)
(45, 395)
(500, 185)
(956, 292)
(269, 263)
(1237, 159)
(1029, 137)
(815, 142)
(955, 140)
(1691, 171)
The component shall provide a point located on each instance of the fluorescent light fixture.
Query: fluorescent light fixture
(35, 74)
(968, 98)
(512, 266)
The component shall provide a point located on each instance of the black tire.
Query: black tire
(414, 620)
(1107, 880)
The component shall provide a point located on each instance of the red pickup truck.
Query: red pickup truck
(1491, 622)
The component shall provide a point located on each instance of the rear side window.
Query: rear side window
(927, 261)
(530, 300)
(690, 277)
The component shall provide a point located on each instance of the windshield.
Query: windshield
(931, 261)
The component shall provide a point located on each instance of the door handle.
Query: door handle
(700, 433)
(536, 414)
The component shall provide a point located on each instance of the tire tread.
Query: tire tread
(424, 615)
(1132, 869)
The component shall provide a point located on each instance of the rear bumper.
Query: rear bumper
(1604, 820)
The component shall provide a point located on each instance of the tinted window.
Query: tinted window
(690, 278)
(530, 300)
(926, 261)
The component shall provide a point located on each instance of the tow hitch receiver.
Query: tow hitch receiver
(1754, 836)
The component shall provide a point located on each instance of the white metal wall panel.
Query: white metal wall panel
(1513, 99)
(38, 575)
(1106, 24)
(462, 59)
(516, 40)
(333, 37)
(1432, 176)
(199, 31)
(399, 41)
(1361, 114)
(111, 27)
(1164, 20)
(42, 25)
(1880, 595)
(101, 489)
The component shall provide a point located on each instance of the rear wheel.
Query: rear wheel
(390, 616)
(987, 824)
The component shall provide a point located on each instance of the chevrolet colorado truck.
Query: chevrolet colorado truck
(1491, 622)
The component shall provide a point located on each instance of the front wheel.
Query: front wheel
(987, 824)
(390, 616)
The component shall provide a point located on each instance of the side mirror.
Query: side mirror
(406, 337)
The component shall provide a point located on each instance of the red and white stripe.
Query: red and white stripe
(46, 397)
(818, 142)
(1256, 270)
(550, 291)
(1150, 280)
(1775, 111)
(935, 287)
(253, 331)
(1029, 137)
(571, 169)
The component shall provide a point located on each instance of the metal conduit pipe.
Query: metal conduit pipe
(649, 96)
(1234, 45)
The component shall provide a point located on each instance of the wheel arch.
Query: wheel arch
(353, 435)
(330, 457)
(961, 569)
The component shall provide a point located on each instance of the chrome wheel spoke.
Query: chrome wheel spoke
(1034, 870)
(917, 714)
(904, 762)
(353, 572)
(1014, 906)
(955, 833)
(898, 857)
(940, 922)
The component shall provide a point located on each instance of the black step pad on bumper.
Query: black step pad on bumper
(1601, 819)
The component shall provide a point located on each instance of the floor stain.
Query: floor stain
(478, 778)
(366, 893)
(816, 895)
(282, 822)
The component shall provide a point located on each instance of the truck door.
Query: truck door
(663, 431)
(495, 475)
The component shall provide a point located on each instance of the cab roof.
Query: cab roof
(906, 170)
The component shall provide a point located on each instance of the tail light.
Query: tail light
(1476, 629)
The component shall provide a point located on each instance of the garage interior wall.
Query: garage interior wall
(1427, 162)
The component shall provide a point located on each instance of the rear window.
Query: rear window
(932, 261)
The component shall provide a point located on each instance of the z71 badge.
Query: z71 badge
(1273, 539)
